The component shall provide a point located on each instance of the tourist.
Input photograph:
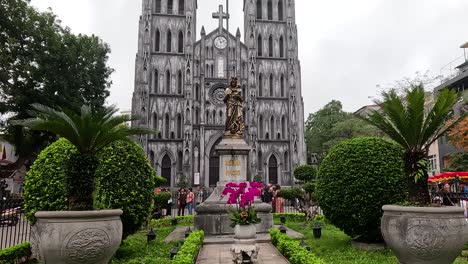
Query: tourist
(190, 199)
(272, 191)
(279, 201)
(447, 200)
(169, 204)
(199, 196)
(181, 202)
(266, 194)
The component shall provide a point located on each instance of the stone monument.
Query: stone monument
(212, 216)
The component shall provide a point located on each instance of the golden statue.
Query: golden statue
(234, 126)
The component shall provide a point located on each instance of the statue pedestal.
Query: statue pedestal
(212, 215)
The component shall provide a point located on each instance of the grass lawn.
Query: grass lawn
(135, 250)
(334, 247)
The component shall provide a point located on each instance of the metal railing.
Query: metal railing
(14, 227)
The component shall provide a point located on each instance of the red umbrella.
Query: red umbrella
(463, 175)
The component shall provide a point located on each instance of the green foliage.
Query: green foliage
(13, 255)
(160, 199)
(159, 181)
(257, 178)
(125, 181)
(355, 180)
(89, 131)
(186, 220)
(189, 250)
(458, 162)
(136, 250)
(244, 217)
(405, 120)
(290, 217)
(43, 62)
(305, 173)
(292, 250)
(44, 184)
(291, 193)
(182, 183)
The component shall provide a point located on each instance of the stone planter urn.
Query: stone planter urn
(76, 237)
(245, 248)
(245, 232)
(429, 235)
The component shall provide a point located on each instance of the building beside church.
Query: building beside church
(180, 77)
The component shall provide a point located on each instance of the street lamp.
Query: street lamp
(305, 245)
(283, 219)
(317, 230)
(151, 235)
(187, 233)
(282, 229)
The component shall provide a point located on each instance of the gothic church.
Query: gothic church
(180, 77)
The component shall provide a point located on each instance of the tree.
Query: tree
(458, 135)
(89, 131)
(458, 162)
(405, 121)
(43, 62)
(319, 126)
(331, 125)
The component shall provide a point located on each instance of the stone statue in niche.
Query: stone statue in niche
(234, 126)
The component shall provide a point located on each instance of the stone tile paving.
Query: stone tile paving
(220, 254)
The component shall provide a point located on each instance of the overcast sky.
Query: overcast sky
(346, 47)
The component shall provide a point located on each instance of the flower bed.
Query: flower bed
(292, 249)
(189, 250)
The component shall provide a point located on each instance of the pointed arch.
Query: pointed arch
(282, 85)
(155, 81)
(179, 82)
(272, 92)
(154, 121)
(213, 164)
(272, 127)
(151, 158)
(181, 7)
(179, 126)
(169, 41)
(259, 9)
(270, 46)
(170, 6)
(260, 85)
(157, 41)
(259, 45)
(158, 6)
(197, 117)
(166, 126)
(281, 47)
(270, 10)
(214, 116)
(180, 42)
(286, 161)
(168, 82)
(260, 160)
(283, 127)
(280, 10)
(166, 169)
(260, 127)
(273, 169)
(180, 158)
(197, 92)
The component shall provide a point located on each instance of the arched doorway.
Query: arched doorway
(214, 165)
(273, 170)
(166, 170)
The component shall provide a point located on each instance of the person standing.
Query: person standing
(181, 202)
(279, 200)
(190, 200)
(199, 197)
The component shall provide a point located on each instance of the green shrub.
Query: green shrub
(160, 199)
(290, 217)
(189, 250)
(355, 180)
(124, 179)
(186, 220)
(291, 193)
(14, 254)
(44, 184)
(305, 173)
(292, 249)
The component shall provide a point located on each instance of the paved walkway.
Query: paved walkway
(220, 254)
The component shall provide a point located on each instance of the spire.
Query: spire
(203, 31)
(238, 34)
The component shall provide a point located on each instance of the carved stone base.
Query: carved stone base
(244, 251)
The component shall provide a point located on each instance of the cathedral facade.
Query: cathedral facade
(180, 81)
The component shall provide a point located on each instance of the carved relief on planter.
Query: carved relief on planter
(424, 239)
(93, 241)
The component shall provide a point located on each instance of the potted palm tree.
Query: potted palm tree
(419, 233)
(81, 234)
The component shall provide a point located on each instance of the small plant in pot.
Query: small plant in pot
(81, 234)
(420, 233)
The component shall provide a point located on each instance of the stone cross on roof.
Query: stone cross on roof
(220, 15)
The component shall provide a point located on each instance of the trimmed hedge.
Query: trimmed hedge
(292, 249)
(186, 220)
(16, 253)
(290, 217)
(189, 250)
(124, 179)
(305, 173)
(355, 180)
(160, 199)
